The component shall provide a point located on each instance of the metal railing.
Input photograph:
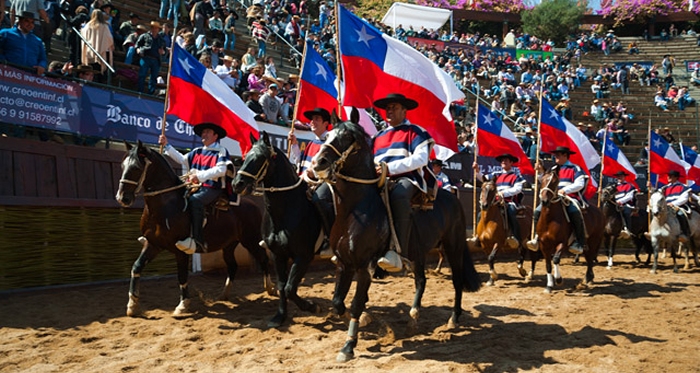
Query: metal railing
(85, 42)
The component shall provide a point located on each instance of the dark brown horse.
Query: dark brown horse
(554, 231)
(491, 231)
(165, 221)
(361, 233)
(613, 226)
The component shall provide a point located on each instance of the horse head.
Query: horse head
(608, 194)
(488, 195)
(550, 186)
(144, 171)
(657, 204)
(258, 165)
(134, 167)
(343, 142)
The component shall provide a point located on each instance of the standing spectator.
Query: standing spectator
(227, 73)
(150, 46)
(623, 80)
(130, 45)
(248, 61)
(33, 7)
(19, 46)
(230, 30)
(668, 81)
(129, 27)
(324, 13)
(293, 30)
(165, 9)
(96, 32)
(673, 31)
(271, 105)
(260, 33)
(666, 134)
(216, 26)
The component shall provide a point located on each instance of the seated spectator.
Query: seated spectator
(663, 36)
(271, 105)
(684, 100)
(666, 134)
(597, 112)
(248, 61)
(216, 26)
(695, 76)
(84, 72)
(18, 45)
(618, 132)
(590, 133)
(130, 45)
(129, 27)
(251, 99)
(633, 48)
(660, 101)
(256, 80)
(595, 88)
(228, 73)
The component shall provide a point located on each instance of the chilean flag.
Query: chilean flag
(662, 159)
(317, 85)
(690, 157)
(375, 65)
(614, 161)
(556, 130)
(498, 139)
(197, 95)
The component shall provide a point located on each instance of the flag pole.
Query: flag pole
(476, 160)
(537, 162)
(164, 122)
(338, 57)
(649, 165)
(296, 99)
(602, 165)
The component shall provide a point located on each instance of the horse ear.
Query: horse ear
(266, 139)
(142, 150)
(334, 118)
(128, 146)
(253, 139)
(355, 115)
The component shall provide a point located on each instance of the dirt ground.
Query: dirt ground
(628, 321)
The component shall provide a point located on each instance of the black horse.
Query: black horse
(613, 226)
(291, 223)
(166, 221)
(360, 234)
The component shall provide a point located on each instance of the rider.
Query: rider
(206, 165)
(442, 179)
(624, 197)
(509, 184)
(572, 182)
(405, 148)
(322, 199)
(677, 197)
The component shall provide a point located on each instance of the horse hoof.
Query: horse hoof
(490, 282)
(548, 290)
(346, 353)
(414, 313)
(522, 271)
(182, 309)
(365, 319)
(343, 357)
(452, 322)
(653, 271)
(132, 308)
(675, 270)
(276, 321)
(559, 280)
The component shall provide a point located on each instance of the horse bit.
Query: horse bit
(139, 184)
(262, 172)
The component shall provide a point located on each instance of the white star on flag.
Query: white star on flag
(321, 71)
(363, 36)
(488, 119)
(553, 113)
(610, 148)
(186, 65)
(657, 143)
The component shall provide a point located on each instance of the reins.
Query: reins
(139, 184)
(260, 175)
(338, 165)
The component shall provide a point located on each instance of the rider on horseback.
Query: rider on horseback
(625, 199)
(677, 197)
(322, 198)
(206, 165)
(572, 181)
(405, 148)
(509, 184)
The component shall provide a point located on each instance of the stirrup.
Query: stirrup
(683, 238)
(625, 234)
(390, 262)
(190, 246)
(512, 242)
(532, 244)
(576, 249)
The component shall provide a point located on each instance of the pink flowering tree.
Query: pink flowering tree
(511, 6)
(627, 11)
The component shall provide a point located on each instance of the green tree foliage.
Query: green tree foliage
(553, 19)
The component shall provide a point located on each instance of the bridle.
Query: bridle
(492, 200)
(262, 173)
(340, 162)
(547, 190)
(139, 184)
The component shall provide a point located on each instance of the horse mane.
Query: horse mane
(162, 163)
(358, 133)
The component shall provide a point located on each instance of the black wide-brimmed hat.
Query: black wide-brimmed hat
(437, 162)
(674, 173)
(513, 158)
(563, 149)
(621, 173)
(198, 129)
(309, 114)
(26, 14)
(398, 98)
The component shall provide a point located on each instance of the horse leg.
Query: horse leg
(282, 279)
(674, 255)
(550, 278)
(521, 261)
(493, 276)
(441, 258)
(557, 273)
(231, 268)
(148, 253)
(296, 274)
(420, 281)
(252, 244)
(611, 251)
(655, 245)
(342, 286)
(534, 257)
(183, 261)
(364, 280)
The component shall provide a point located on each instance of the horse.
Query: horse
(291, 224)
(360, 234)
(665, 231)
(165, 220)
(613, 226)
(491, 231)
(554, 232)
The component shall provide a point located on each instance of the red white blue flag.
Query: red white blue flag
(615, 161)
(556, 130)
(494, 139)
(662, 159)
(375, 65)
(690, 157)
(196, 95)
(317, 85)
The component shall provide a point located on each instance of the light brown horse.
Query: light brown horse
(492, 230)
(554, 230)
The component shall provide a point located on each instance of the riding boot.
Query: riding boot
(579, 244)
(391, 262)
(197, 215)
(625, 232)
(685, 228)
(532, 244)
(514, 229)
(473, 241)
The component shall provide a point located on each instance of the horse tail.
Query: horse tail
(470, 277)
